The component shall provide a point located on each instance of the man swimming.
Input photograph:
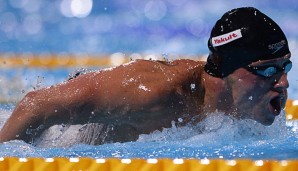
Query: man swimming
(245, 76)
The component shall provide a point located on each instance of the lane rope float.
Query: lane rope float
(114, 164)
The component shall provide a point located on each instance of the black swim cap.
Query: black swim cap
(242, 36)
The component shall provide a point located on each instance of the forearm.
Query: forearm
(11, 130)
(16, 125)
(30, 112)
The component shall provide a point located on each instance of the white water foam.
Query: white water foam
(219, 128)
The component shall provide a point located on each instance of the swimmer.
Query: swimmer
(245, 76)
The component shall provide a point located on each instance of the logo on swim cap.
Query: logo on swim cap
(277, 46)
(226, 38)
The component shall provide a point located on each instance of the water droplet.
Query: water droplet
(250, 98)
(222, 29)
(180, 120)
(165, 57)
(193, 87)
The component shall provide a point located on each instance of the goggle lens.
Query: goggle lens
(288, 67)
(271, 70)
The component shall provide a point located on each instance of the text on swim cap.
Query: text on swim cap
(226, 38)
(277, 46)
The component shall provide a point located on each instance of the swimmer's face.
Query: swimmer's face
(260, 95)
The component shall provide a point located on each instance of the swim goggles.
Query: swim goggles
(269, 71)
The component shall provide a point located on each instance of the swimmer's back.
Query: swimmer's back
(141, 80)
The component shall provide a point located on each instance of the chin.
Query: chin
(265, 115)
(267, 121)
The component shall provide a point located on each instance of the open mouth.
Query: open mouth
(276, 105)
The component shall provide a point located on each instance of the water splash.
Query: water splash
(216, 129)
(219, 128)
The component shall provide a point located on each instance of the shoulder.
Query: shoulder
(188, 63)
(146, 70)
(180, 63)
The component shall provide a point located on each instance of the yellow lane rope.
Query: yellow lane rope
(59, 61)
(292, 109)
(113, 164)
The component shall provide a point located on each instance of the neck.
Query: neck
(217, 94)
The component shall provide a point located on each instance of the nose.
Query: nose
(281, 83)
